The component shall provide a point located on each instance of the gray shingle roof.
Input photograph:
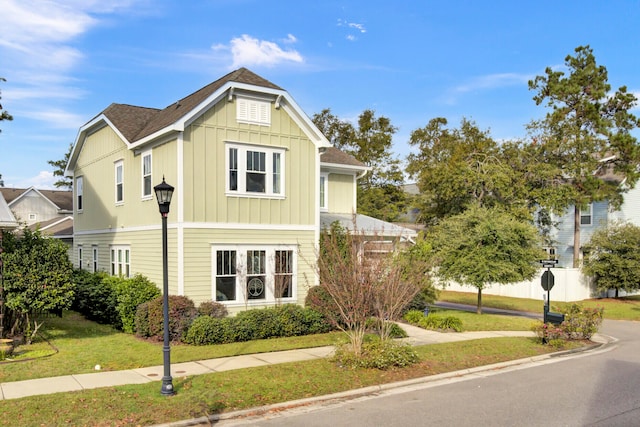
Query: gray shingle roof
(135, 123)
(334, 156)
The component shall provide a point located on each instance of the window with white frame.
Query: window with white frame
(120, 261)
(119, 181)
(79, 193)
(324, 192)
(146, 175)
(255, 171)
(586, 215)
(253, 274)
(94, 256)
(252, 110)
(80, 257)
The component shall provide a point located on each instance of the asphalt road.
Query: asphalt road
(595, 388)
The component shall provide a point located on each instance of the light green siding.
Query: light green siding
(341, 193)
(96, 163)
(205, 170)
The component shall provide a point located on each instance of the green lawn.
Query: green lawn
(627, 308)
(227, 391)
(487, 322)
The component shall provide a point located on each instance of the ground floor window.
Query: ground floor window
(253, 274)
(120, 261)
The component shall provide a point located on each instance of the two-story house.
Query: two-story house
(250, 184)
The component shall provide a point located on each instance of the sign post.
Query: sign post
(547, 281)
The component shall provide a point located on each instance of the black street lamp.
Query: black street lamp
(163, 193)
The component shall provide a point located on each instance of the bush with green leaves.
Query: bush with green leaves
(433, 321)
(580, 323)
(282, 321)
(377, 354)
(37, 277)
(395, 330)
(149, 318)
(130, 293)
(93, 299)
(413, 316)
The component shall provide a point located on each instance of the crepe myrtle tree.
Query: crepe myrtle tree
(483, 246)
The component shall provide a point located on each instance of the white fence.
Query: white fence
(569, 285)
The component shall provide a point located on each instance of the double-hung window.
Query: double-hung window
(79, 193)
(94, 253)
(586, 216)
(245, 274)
(119, 181)
(120, 261)
(80, 257)
(255, 171)
(324, 192)
(146, 175)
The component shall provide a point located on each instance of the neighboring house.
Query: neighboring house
(250, 185)
(32, 206)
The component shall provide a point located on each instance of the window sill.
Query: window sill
(255, 195)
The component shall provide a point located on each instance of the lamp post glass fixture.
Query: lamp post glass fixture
(163, 193)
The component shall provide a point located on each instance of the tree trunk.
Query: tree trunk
(479, 306)
(576, 236)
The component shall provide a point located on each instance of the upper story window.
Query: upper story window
(146, 175)
(119, 181)
(586, 216)
(324, 192)
(255, 171)
(252, 110)
(79, 193)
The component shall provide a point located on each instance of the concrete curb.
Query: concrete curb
(602, 344)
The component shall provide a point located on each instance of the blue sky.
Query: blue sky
(67, 60)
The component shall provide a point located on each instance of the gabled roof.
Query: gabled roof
(61, 199)
(56, 227)
(7, 220)
(140, 125)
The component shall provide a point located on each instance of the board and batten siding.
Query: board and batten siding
(205, 170)
(341, 193)
(96, 164)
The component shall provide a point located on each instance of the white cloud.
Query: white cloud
(43, 181)
(57, 118)
(247, 51)
(359, 28)
(490, 81)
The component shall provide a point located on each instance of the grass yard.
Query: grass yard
(227, 391)
(487, 322)
(626, 308)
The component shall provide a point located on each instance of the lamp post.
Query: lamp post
(163, 194)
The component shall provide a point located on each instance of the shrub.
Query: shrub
(206, 330)
(547, 332)
(436, 322)
(318, 299)
(94, 298)
(580, 322)
(413, 316)
(377, 354)
(212, 309)
(130, 293)
(182, 312)
(395, 330)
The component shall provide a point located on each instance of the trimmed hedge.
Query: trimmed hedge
(149, 321)
(283, 321)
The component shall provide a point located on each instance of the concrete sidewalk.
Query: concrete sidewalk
(65, 383)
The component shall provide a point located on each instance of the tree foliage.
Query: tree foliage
(37, 277)
(612, 257)
(4, 114)
(482, 246)
(379, 192)
(59, 168)
(456, 168)
(586, 135)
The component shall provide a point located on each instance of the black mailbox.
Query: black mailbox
(555, 318)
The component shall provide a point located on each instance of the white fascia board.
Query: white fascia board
(30, 189)
(338, 167)
(92, 126)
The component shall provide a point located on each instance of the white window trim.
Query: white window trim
(142, 175)
(241, 274)
(79, 194)
(253, 110)
(80, 257)
(94, 258)
(242, 150)
(117, 164)
(588, 213)
(324, 191)
(117, 266)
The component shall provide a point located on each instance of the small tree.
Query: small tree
(612, 257)
(358, 287)
(59, 168)
(482, 246)
(4, 114)
(37, 275)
